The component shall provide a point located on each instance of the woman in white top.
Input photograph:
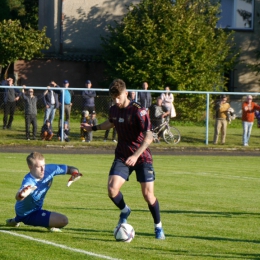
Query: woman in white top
(167, 100)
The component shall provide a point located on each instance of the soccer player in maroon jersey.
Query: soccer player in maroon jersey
(133, 127)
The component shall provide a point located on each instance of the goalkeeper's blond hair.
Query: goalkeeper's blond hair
(31, 158)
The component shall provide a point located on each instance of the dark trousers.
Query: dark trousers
(67, 111)
(31, 119)
(90, 109)
(9, 109)
(113, 135)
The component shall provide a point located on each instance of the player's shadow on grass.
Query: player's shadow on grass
(187, 139)
(198, 255)
(209, 238)
(211, 213)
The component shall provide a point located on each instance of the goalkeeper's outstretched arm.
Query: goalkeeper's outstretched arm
(72, 169)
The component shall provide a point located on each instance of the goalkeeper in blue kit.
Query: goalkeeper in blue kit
(35, 185)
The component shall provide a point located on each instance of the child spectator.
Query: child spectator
(66, 132)
(46, 132)
(84, 118)
(257, 115)
(91, 120)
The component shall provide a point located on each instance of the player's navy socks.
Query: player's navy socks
(155, 210)
(119, 200)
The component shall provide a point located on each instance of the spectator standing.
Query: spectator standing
(248, 115)
(51, 103)
(68, 99)
(113, 135)
(88, 96)
(11, 95)
(132, 96)
(221, 108)
(46, 131)
(30, 105)
(167, 100)
(111, 103)
(145, 97)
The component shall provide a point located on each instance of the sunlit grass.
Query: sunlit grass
(209, 209)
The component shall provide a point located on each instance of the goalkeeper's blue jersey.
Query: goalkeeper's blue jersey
(35, 200)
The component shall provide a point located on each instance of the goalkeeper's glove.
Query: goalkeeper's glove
(74, 177)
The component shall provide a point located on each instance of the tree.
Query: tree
(24, 10)
(168, 43)
(20, 43)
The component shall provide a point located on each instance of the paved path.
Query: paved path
(175, 151)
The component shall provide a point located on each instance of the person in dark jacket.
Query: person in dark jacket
(30, 106)
(88, 98)
(144, 97)
(51, 103)
(11, 95)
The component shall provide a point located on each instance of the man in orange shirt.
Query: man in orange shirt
(248, 116)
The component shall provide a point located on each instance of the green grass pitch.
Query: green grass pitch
(209, 210)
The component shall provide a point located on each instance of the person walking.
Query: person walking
(31, 195)
(11, 95)
(132, 153)
(221, 108)
(248, 115)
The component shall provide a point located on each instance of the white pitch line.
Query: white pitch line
(58, 245)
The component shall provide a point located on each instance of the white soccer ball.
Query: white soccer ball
(124, 233)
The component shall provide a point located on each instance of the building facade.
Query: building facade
(75, 28)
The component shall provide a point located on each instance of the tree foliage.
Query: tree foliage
(168, 43)
(17, 42)
(24, 10)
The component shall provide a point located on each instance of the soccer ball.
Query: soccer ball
(124, 233)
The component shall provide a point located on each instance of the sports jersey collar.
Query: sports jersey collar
(34, 177)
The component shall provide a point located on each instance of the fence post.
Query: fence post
(207, 120)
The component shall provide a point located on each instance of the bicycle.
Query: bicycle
(171, 135)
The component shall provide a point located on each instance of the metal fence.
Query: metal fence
(102, 103)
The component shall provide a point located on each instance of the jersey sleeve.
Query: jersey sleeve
(56, 169)
(144, 119)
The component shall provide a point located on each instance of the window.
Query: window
(236, 14)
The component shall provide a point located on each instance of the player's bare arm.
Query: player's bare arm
(104, 126)
(148, 139)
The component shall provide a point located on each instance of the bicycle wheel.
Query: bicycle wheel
(171, 135)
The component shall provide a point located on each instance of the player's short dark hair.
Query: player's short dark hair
(116, 87)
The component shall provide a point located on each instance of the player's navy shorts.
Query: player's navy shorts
(39, 218)
(144, 172)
